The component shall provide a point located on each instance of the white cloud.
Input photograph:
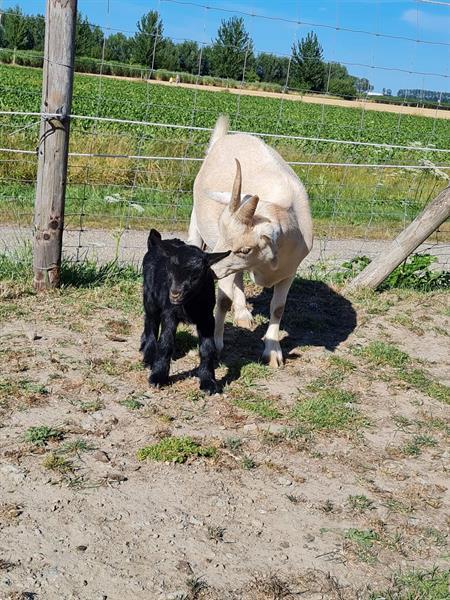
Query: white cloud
(426, 21)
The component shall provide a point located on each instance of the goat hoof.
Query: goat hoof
(244, 319)
(210, 387)
(158, 381)
(273, 358)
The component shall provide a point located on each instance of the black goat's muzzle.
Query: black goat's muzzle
(175, 297)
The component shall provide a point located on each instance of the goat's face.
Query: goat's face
(251, 238)
(187, 266)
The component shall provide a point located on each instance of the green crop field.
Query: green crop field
(122, 192)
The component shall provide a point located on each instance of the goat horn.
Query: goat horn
(237, 185)
(247, 210)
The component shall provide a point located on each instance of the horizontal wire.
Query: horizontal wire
(309, 23)
(195, 159)
(210, 129)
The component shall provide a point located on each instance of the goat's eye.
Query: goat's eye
(244, 251)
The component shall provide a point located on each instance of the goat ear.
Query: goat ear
(269, 244)
(246, 212)
(221, 197)
(214, 257)
(154, 238)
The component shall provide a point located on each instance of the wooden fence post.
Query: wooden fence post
(435, 213)
(57, 81)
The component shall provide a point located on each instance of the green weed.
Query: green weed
(175, 449)
(131, 403)
(414, 447)
(360, 503)
(39, 436)
(55, 462)
(418, 379)
(383, 354)
(254, 402)
(331, 410)
(417, 585)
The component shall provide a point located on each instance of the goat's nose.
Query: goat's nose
(175, 293)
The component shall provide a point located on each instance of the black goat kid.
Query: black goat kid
(178, 287)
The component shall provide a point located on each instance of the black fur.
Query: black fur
(178, 287)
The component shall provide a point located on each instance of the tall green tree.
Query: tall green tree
(168, 57)
(270, 67)
(36, 29)
(88, 38)
(15, 31)
(147, 42)
(307, 62)
(232, 50)
(118, 47)
(189, 56)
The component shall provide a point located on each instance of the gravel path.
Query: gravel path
(103, 245)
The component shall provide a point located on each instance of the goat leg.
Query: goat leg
(148, 338)
(164, 351)
(208, 355)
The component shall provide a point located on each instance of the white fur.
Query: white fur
(280, 233)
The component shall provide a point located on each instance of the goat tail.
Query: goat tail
(220, 130)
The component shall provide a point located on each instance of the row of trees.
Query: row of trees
(429, 95)
(230, 55)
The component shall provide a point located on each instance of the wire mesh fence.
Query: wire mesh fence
(136, 145)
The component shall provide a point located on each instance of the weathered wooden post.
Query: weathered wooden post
(57, 81)
(435, 213)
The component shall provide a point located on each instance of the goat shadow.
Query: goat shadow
(315, 315)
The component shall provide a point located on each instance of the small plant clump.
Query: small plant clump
(131, 403)
(360, 502)
(55, 462)
(332, 409)
(39, 436)
(415, 273)
(176, 450)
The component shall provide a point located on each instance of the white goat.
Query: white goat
(268, 237)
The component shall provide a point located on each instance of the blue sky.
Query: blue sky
(382, 60)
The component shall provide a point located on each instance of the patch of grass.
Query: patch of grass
(175, 449)
(255, 402)
(215, 533)
(363, 541)
(233, 443)
(39, 436)
(414, 447)
(249, 373)
(92, 406)
(16, 266)
(195, 585)
(341, 363)
(75, 447)
(397, 506)
(292, 498)
(118, 326)
(55, 462)
(360, 503)
(418, 379)
(417, 585)
(21, 391)
(363, 537)
(383, 354)
(248, 463)
(331, 410)
(131, 403)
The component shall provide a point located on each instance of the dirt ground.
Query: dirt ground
(319, 480)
